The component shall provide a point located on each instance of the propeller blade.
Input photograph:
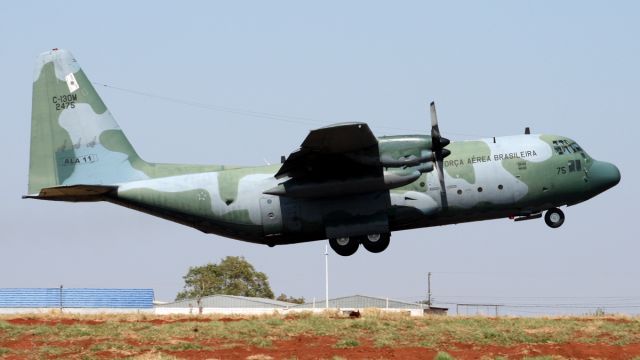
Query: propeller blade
(435, 131)
(437, 145)
(443, 191)
(437, 140)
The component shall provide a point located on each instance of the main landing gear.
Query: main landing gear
(554, 218)
(347, 246)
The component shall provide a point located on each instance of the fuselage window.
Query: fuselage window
(574, 165)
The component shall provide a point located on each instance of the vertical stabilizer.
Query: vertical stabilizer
(74, 137)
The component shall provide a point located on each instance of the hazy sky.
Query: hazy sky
(568, 68)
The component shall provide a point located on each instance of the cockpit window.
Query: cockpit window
(576, 147)
(563, 146)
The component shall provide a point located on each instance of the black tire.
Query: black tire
(376, 243)
(344, 249)
(554, 218)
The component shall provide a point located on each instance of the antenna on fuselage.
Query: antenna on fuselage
(438, 144)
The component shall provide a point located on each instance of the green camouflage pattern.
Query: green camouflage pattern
(75, 141)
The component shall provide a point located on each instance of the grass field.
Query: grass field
(306, 336)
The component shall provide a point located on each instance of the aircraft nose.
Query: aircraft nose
(603, 175)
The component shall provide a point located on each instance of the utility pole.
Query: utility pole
(326, 276)
(61, 298)
(429, 289)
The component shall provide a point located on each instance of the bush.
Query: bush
(346, 343)
(443, 356)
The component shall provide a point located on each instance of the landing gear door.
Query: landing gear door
(271, 215)
(357, 226)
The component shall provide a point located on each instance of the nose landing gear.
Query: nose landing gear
(554, 218)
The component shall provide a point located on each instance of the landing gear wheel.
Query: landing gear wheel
(376, 243)
(554, 218)
(344, 246)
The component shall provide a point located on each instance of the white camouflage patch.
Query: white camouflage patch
(72, 83)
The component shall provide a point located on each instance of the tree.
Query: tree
(290, 299)
(233, 276)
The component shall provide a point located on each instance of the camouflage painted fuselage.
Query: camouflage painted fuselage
(79, 153)
(515, 176)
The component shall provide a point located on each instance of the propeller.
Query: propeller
(438, 144)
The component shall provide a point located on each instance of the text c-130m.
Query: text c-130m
(343, 183)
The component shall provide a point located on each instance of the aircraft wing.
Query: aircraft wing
(344, 159)
(340, 151)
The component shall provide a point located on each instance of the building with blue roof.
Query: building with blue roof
(77, 300)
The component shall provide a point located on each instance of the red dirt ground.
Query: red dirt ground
(303, 347)
(307, 347)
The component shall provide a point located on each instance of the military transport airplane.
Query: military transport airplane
(343, 183)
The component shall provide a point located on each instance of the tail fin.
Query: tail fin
(74, 138)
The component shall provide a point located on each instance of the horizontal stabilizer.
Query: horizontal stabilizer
(74, 193)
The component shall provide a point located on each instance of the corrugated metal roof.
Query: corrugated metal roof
(30, 298)
(363, 302)
(76, 298)
(228, 301)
